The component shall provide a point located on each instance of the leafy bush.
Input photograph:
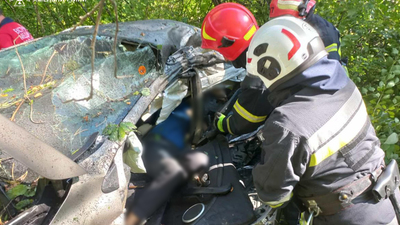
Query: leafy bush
(371, 41)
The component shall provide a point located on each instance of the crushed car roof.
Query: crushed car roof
(40, 80)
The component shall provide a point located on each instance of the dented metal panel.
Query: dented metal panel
(35, 154)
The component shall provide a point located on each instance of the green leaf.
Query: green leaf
(114, 135)
(392, 139)
(390, 84)
(107, 130)
(16, 191)
(129, 124)
(125, 128)
(145, 92)
(23, 204)
(31, 192)
(159, 47)
(8, 90)
(389, 91)
(364, 91)
(389, 62)
(121, 134)
(395, 51)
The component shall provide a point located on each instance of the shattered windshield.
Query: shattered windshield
(41, 84)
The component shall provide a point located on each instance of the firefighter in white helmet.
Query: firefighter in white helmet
(319, 143)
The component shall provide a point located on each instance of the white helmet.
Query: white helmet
(282, 48)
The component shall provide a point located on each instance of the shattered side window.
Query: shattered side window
(39, 80)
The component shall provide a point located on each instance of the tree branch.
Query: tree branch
(48, 63)
(83, 18)
(93, 47)
(12, 8)
(115, 37)
(84, 9)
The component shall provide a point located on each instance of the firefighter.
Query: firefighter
(12, 33)
(319, 144)
(328, 33)
(228, 29)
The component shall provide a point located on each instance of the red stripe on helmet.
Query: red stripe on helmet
(296, 43)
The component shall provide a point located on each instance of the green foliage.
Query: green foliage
(23, 204)
(118, 132)
(369, 31)
(58, 16)
(21, 190)
(371, 40)
(16, 191)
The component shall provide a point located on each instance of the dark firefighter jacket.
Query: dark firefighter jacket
(318, 139)
(252, 108)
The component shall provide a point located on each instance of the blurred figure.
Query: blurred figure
(12, 33)
(168, 161)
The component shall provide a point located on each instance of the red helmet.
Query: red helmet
(289, 7)
(228, 29)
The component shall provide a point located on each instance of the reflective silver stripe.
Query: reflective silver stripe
(331, 48)
(341, 129)
(221, 165)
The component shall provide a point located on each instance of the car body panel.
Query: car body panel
(86, 203)
(35, 154)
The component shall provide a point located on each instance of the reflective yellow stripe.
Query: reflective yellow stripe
(228, 125)
(340, 130)
(219, 123)
(248, 116)
(279, 203)
(276, 206)
(250, 33)
(340, 48)
(303, 220)
(331, 48)
(292, 5)
(205, 35)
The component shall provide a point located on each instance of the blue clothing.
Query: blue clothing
(175, 127)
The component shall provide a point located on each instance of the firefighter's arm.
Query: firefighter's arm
(5, 41)
(249, 112)
(282, 164)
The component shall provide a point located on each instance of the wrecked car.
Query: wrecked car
(71, 127)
